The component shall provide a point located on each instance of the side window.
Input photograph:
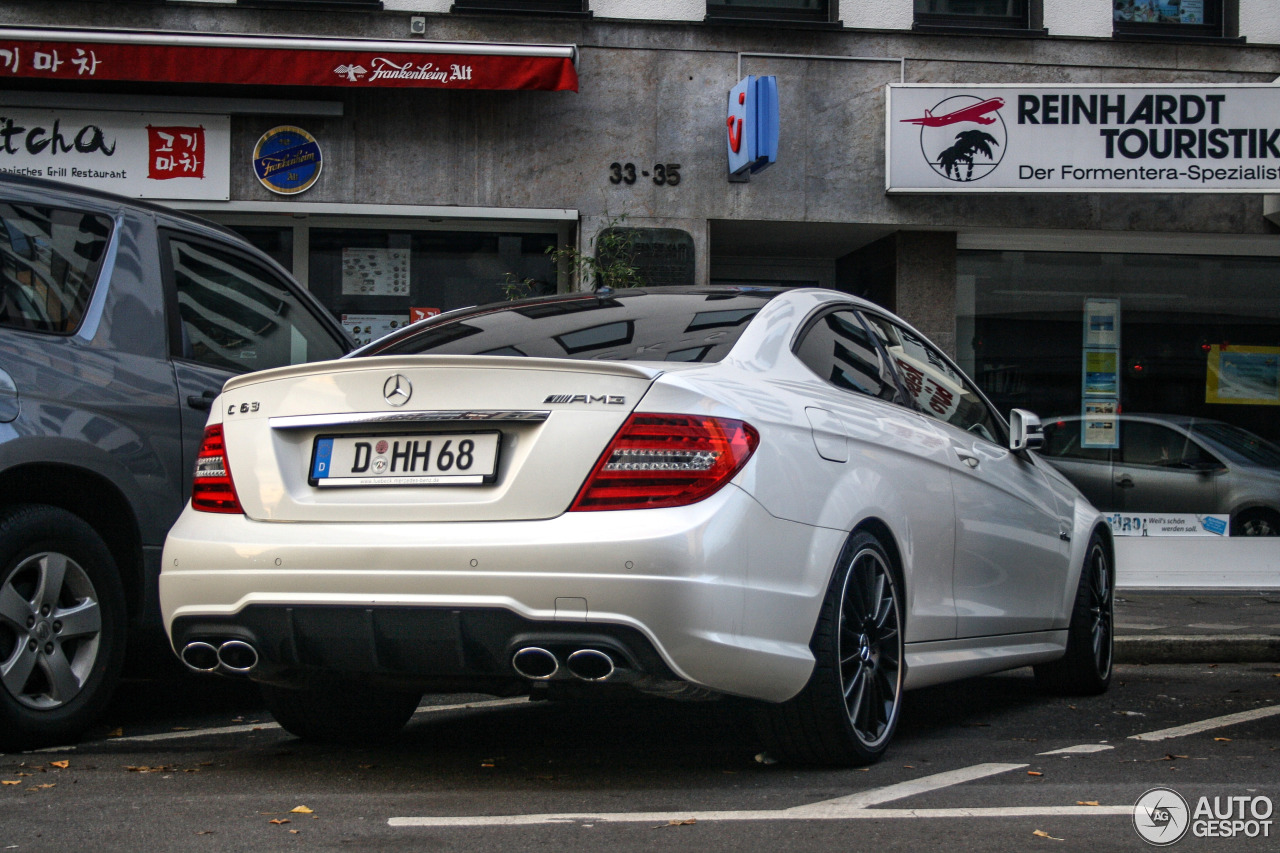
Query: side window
(939, 390)
(1062, 441)
(50, 259)
(838, 348)
(1144, 443)
(237, 315)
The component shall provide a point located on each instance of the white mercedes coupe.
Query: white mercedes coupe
(784, 495)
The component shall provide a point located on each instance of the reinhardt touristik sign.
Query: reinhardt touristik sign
(1069, 138)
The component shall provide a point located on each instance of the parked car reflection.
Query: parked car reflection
(1174, 463)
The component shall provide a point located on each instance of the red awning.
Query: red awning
(121, 55)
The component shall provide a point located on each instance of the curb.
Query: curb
(1256, 648)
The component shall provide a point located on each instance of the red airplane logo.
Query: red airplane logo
(975, 113)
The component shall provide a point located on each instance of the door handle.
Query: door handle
(203, 401)
(968, 458)
(1124, 481)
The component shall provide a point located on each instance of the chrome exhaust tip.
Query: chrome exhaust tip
(535, 663)
(590, 665)
(200, 657)
(237, 656)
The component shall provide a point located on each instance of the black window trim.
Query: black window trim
(1029, 24)
(758, 16)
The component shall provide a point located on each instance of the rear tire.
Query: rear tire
(341, 713)
(847, 713)
(1085, 670)
(62, 626)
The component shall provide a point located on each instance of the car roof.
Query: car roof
(66, 193)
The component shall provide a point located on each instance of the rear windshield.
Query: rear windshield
(636, 326)
(1241, 443)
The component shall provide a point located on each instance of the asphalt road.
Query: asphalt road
(985, 765)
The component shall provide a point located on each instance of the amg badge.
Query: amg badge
(602, 399)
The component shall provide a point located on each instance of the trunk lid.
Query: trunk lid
(304, 443)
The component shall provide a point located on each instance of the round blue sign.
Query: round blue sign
(287, 160)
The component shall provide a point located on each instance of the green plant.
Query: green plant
(612, 264)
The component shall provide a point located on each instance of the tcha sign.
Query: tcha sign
(1082, 139)
(144, 155)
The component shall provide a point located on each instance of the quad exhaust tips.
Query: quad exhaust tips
(537, 664)
(232, 656)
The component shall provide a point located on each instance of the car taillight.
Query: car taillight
(667, 460)
(212, 489)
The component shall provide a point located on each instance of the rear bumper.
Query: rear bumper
(676, 582)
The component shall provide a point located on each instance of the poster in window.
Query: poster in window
(1191, 12)
(1245, 376)
(1102, 322)
(375, 272)
(1101, 378)
(1099, 426)
(364, 328)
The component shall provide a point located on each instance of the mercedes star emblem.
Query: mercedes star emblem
(397, 390)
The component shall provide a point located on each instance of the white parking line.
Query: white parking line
(910, 788)
(1207, 725)
(257, 727)
(1082, 749)
(660, 818)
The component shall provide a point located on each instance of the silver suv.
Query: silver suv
(119, 323)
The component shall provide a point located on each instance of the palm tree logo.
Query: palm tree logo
(969, 143)
(960, 144)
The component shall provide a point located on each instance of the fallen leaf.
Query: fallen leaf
(1223, 739)
(205, 832)
(486, 765)
(765, 758)
(677, 822)
(1086, 802)
(180, 729)
(300, 810)
(1040, 833)
(116, 733)
(61, 765)
(367, 766)
(7, 782)
(1034, 773)
(280, 821)
(908, 767)
(295, 832)
(43, 787)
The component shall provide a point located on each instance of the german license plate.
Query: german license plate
(421, 459)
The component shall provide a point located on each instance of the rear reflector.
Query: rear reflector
(667, 460)
(212, 489)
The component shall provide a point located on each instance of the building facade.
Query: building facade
(432, 193)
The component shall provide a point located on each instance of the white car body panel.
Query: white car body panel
(727, 590)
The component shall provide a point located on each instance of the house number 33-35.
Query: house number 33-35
(663, 173)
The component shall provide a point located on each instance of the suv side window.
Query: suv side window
(239, 316)
(839, 349)
(939, 390)
(50, 259)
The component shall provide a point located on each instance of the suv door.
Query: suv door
(231, 314)
(1010, 558)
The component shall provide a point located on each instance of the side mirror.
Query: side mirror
(1025, 432)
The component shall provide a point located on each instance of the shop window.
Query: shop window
(974, 14)
(1166, 365)
(239, 316)
(376, 281)
(533, 7)
(1170, 18)
(798, 11)
(49, 264)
